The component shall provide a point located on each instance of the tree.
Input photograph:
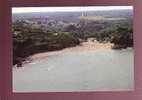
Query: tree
(122, 37)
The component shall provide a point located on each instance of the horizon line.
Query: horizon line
(68, 9)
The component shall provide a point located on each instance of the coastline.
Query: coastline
(73, 69)
(83, 47)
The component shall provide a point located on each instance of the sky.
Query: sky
(68, 9)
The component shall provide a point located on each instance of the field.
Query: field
(100, 18)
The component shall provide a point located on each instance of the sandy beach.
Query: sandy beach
(83, 47)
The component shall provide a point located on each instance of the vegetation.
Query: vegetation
(100, 18)
(28, 41)
(30, 37)
(122, 37)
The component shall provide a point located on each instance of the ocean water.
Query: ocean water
(100, 70)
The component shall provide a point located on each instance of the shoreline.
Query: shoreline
(83, 47)
(76, 71)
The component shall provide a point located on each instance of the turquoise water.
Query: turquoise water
(101, 70)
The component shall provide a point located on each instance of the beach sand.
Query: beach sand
(83, 47)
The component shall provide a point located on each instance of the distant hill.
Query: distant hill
(73, 16)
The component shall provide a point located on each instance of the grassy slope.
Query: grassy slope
(100, 18)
